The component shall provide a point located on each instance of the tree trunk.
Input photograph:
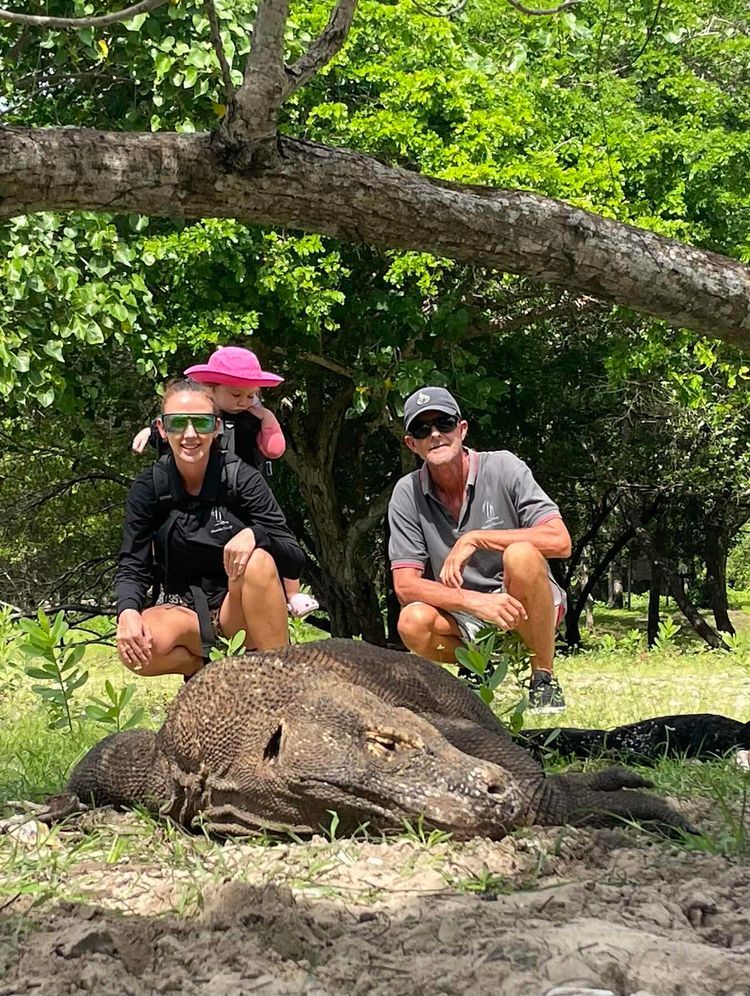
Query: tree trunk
(654, 594)
(716, 552)
(675, 588)
(348, 591)
(614, 588)
(350, 196)
(572, 625)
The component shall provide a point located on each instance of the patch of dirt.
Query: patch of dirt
(604, 910)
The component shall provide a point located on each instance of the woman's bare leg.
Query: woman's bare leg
(176, 647)
(256, 603)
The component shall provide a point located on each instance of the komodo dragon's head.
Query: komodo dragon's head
(337, 747)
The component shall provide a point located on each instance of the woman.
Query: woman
(209, 530)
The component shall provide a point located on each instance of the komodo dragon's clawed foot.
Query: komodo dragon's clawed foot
(609, 779)
(625, 806)
(55, 809)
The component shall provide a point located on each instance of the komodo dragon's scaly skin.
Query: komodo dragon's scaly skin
(280, 739)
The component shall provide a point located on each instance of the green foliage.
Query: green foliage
(738, 564)
(637, 112)
(59, 667)
(489, 657)
(666, 634)
(110, 712)
(228, 647)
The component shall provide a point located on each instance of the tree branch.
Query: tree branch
(99, 21)
(353, 197)
(328, 43)
(364, 523)
(254, 115)
(226, 73)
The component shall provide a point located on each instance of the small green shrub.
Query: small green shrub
(490, 658)
(230, 647)
(59, 668)
(666, 634)
(110, 712)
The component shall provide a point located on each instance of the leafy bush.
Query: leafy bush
(489, 658)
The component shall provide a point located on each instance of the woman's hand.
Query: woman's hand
(140, 441)
(452, 572)
(237, 553)
(134, 640)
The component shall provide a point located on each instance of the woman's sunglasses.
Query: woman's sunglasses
(444, 423)
(204, 425)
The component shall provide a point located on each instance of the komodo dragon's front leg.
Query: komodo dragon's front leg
(125, 769)
(601, 797)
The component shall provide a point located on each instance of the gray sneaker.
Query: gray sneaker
(545, 694)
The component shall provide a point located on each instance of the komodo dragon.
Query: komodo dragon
(280, 739)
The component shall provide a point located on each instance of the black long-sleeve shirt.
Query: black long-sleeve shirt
(184, 543)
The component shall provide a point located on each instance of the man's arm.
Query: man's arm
(551, 538)
(499, 609)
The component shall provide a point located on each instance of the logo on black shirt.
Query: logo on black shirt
(221, 524)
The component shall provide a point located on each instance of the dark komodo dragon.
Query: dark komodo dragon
(279, 739)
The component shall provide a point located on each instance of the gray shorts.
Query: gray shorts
(469, 626)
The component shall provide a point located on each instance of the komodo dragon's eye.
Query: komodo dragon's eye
(385, 744)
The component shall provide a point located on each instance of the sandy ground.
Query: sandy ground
(549, 911)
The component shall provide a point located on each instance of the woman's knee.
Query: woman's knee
(261, 569)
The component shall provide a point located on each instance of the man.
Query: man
(470, 537)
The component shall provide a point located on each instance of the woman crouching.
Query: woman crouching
(205, 528)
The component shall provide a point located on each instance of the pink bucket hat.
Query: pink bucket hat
(235, 367)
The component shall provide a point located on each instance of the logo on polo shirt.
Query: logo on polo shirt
(422, 398)
(491, 518)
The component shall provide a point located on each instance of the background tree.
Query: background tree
(249, 169)
(632, 114)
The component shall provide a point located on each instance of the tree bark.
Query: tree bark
(614, 588)
(716, 553)
(654, 597)
(356, 198)
(675, 588)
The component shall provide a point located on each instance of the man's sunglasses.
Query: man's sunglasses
(204, 425)
(443, 423)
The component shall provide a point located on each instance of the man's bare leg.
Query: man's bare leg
(176, 647)
(427, 631)
(525, 577)
(257, 604)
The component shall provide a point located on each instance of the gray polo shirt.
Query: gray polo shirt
(501, 493)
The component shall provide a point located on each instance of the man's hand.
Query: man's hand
(452, 572)
(134, 640)
(237, 553)
(500, 609)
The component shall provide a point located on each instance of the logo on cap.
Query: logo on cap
(422, 398)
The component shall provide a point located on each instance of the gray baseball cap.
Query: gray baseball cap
(429, 399)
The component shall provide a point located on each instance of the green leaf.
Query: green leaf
(97, 713)
(37, 672)
(136, 719)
